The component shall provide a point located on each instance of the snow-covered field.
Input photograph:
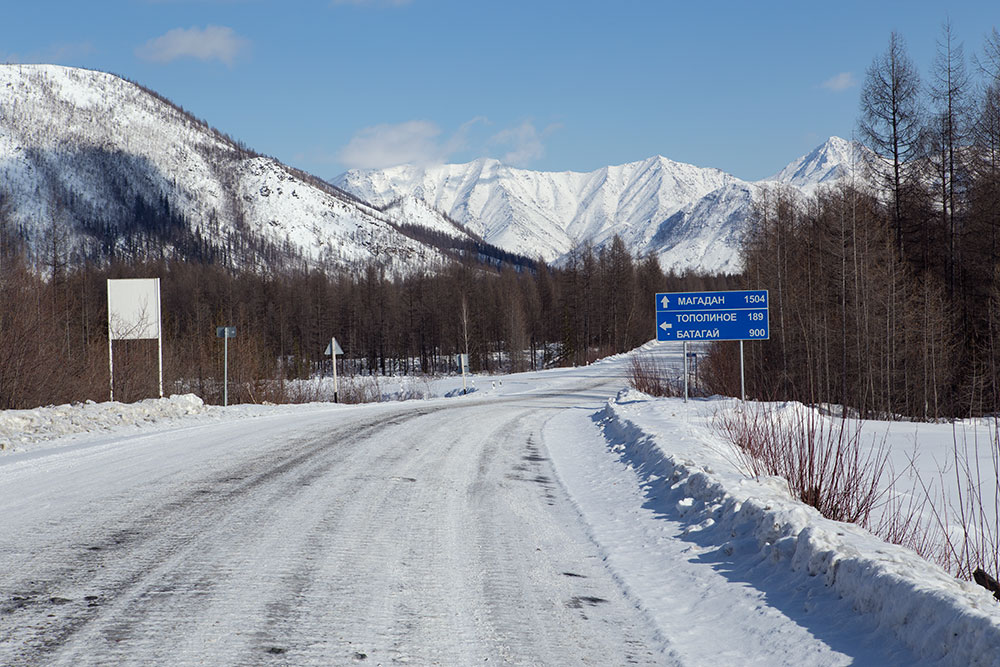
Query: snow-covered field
(546, 518)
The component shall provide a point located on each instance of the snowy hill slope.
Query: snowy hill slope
(111, 168)
(691, 217)
(97, 167)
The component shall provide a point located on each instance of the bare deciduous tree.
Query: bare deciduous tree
(890, 125)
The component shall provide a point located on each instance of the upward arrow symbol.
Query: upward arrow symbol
(666, 302)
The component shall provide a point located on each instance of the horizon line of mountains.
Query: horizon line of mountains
(110, 169)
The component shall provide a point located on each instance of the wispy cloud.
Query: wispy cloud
(422, 142)
(840, 83)
(523, 143)
(209, 43)
(412, 142)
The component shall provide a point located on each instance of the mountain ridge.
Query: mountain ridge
(691, 217)
(115, 170)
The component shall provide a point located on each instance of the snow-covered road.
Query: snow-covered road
(416, 532)
(528, 523)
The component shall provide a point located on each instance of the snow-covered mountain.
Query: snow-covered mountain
(97, 166)
(691, 217)
(103, 166)
(823, 166)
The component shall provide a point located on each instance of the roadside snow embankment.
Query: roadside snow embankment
(697, 480)
(20, 428)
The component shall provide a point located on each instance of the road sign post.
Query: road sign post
(463, 365)
(333, 349)
(225, 333)
(712, 316)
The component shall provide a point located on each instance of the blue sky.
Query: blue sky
(550, 84)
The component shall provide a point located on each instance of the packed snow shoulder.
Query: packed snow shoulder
(941, 619)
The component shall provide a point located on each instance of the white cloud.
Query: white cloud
(412, 142)
(523, 143)
(209, 43)
(840, 83)
(422, 142)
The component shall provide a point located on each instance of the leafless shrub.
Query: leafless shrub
(901, 521)
(361, 389)
(651, 376)
(964, 526)
(303, 391)
(828, 465)
(825, 463)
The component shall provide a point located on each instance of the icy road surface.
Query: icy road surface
(498, 528)
(418, 533)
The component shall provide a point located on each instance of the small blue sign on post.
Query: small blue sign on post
(708, 316)
(225, 333)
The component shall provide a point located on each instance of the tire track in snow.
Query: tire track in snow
(122, 573)
(427, 536)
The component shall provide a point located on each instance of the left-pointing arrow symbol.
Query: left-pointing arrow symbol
(666, 325)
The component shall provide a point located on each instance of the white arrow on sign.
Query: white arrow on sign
(666, 325)
(666, 302)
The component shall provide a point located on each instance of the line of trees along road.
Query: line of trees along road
(885, 291)
(54, 330)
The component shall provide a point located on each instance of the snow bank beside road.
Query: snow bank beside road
(19, 428)
(696, 480)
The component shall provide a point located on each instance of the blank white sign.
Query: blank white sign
(134, 308)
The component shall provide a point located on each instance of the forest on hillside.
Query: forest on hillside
(885, 290)
(509, 316)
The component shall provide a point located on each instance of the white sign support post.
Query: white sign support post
(333, 358)
(743, 381)
(463, 363)
(225, 333)
(133, 314)
(333, 349)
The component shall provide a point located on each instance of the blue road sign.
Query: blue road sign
(703, 316)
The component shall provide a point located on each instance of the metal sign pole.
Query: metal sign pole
(225, 371)
(333, 355)
(111, 369)
(159, 334)
(225, 333)
(111, 354)
(743, 382)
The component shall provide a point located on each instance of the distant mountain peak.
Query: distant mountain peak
(832, 160)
